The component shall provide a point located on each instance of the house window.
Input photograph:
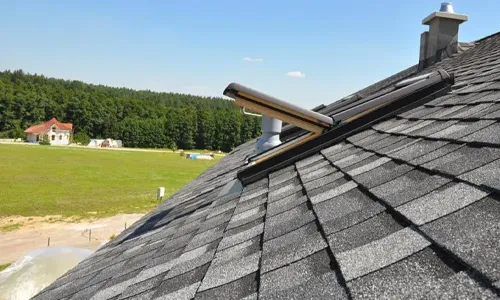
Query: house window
(54, 129)
(53, 137)
(60, 137)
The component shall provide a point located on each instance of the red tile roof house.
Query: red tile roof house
(58, 133)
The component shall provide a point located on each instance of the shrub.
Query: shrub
(45, 141)
(81, 137)
(16, 133)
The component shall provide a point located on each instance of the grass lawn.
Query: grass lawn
(3, 267)
(10, 227)
(81, 182)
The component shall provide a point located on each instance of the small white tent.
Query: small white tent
(95, 143)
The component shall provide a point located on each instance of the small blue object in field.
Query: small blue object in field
(198, 156)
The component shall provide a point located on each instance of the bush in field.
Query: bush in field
(17, 133)
(82, 138)
(45, 140)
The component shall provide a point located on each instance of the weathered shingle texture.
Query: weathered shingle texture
(407, 209)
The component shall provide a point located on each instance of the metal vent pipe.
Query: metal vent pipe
(271, 130)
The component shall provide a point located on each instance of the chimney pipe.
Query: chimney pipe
(441, 40)
(271, 129)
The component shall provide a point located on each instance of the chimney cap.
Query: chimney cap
(444, 15)
(447, 7)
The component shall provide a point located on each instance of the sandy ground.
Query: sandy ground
(35, 232)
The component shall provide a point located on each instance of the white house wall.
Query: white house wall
(31, 138)
(64, 134)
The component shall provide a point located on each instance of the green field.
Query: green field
(81, 182)
(3, 267)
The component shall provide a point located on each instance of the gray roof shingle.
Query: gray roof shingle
(291, 247)
(309, 278)
(440, 202)
(473, 234)
(380, 253)
(410, 278)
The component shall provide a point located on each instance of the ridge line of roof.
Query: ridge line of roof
(486, 37)
(389, 80)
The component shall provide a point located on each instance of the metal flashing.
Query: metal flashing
(288, 144)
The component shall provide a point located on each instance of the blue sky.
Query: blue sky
(200, 46)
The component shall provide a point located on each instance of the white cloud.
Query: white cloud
(296, 74)
(253, 59)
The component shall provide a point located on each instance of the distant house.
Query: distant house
(57, 132)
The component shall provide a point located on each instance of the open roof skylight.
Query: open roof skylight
(343, 121)
(279, 109)
(315, 123)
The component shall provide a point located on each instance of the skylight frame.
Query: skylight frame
(279, 109)
(284, 146)
(418, 93)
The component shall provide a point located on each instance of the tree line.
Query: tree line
(144, 119)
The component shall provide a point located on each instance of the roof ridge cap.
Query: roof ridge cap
(486, 37)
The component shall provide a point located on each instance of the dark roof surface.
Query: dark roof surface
(405, 210)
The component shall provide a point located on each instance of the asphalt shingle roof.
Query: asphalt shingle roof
(408, 209)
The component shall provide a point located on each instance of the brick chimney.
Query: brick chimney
(441, 40)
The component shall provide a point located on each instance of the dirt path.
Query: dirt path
(35, 232)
